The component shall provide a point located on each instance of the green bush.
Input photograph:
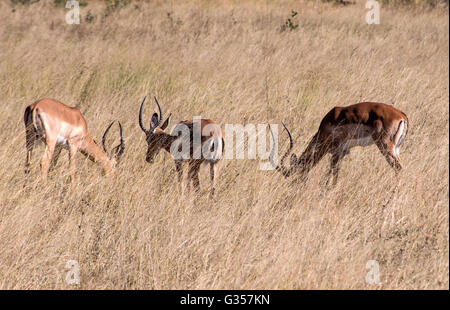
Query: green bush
(23, 1)
(114, 5)
(289, 24)
(55, 2)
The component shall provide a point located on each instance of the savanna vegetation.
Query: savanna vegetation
(236, 62)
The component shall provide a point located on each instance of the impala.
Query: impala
(342, 128)
(60, 126)
(211, 139)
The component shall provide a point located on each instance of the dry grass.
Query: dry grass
(230, 63)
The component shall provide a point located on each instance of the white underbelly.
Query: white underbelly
(61, 140)
(366, 141)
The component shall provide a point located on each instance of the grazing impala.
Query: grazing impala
(361, 124)
(60, 126)
(211, 138)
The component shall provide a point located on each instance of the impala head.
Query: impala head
(118, 150)
(155, 136)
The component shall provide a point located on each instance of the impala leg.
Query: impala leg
(189, 179)
(388, 150)
(188, 184)
(48, 154)
(28, 159)
(196, 180)
(72, 168)
(194, 169)
(334, 168)
(191, 173)
(398, 163)
(213, 174)
(179, 168)
(55, 157)
(30, 140)
(395, 154)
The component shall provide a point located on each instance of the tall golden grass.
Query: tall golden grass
(230, 62)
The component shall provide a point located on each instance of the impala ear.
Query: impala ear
(154, 121)
(166, 123)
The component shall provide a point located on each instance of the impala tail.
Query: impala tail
(28, 120)
(400, 135)
(34, 127)
(27, 117)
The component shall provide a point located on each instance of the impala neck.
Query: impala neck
(307, 160)
(96, 154)
(311, 155)
(165, 139)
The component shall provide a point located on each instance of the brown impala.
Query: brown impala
(211, 138)
(361, 124)
(60, 126)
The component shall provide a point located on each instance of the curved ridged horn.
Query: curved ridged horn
(119, 149)
(104, 139)
(141, 124)
(121, 146)
(281, 168)
(160, 111)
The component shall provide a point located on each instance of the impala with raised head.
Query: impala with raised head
(60, 126)
(210, 139)
(343, 128)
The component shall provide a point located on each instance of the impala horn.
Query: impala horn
(160, 111)
(281, 168)
(141, 124)
(117, 150)
(158, 118)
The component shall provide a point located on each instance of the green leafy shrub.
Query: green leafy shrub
(89, 17)
(114, 5)
(289, 24)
